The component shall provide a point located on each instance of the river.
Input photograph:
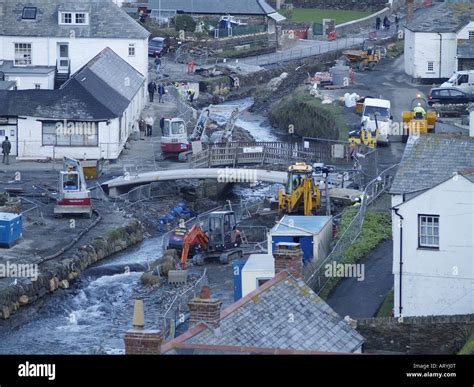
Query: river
(90, 317)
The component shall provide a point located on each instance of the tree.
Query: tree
(185, 22)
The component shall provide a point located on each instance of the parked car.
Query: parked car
(158, 46)
(448, 95)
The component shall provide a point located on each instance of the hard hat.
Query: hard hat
(419, 104)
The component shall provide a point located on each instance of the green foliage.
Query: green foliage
(395, 50)
(309, 116)
(116, 234)
(377, 227)
(386, 308)
(251, 51)
(184, 22)
(468, 348)
(286, 12)
(317, 15)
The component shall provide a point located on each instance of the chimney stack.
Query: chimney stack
(205, 309)
(289, 257)
(139, 341)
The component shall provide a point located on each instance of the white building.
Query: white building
(43, 42)
(439, 43)
(90, 117)
(258, 269)
(433, 227)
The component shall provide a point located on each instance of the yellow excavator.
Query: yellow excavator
(300, 195)
(418, 120)
(365, 136)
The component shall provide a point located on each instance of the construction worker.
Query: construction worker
(418, 109)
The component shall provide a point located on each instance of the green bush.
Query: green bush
(185, 23)
(377, 227)
(286, 12)
(309, 116)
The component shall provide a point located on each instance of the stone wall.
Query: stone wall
(356, 26)
(416, 335)
(60, 273)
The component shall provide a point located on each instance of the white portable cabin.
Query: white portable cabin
(258, 269)
(313, 233)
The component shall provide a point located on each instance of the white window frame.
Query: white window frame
(74, 15)
(471, 34)
(430, 66)
(428, 228)
(51, 137)
(37, 86)
(131, 49)
(16, 60)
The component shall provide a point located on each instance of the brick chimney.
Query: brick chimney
(139, 341)
(289, 257)
(205, 309)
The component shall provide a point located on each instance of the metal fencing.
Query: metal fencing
(314, 273)
(177, 310)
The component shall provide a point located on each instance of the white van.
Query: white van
(380, 108)
(462, 80)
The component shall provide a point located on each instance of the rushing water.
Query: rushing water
(255, 124)
(91, 317)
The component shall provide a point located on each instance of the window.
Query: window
(444, 93)
(456, 93)
(131, 49)
(430, 66)
(37, 86)
(29, 13)
(471, 34)
(22, 54)
(80, 18)
(66, 18)
(261, 281)
(74, 18)
(428, 233)
(75, 134)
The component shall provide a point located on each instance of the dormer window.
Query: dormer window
(29, 13)
(74, 18)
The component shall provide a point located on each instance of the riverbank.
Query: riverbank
(63, 272)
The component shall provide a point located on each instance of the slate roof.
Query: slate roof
(7, 67)
(260, 323)
(466, 49)
(444, 17)
(430, 159)
(221, 7)
(106, 20)
(92, 93)
(300, 224)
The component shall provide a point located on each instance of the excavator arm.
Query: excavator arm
(194, 236)
(306, 191)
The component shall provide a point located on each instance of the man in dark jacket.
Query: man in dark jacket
(161, 93)
(151, 90)
(6, 148)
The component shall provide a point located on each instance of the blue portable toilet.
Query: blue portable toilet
(238, 265)
(11, 228)
(313, 233)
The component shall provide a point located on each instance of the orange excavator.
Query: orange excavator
(221, 241)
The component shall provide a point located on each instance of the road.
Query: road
(360, 299)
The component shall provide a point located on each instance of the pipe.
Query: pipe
(440, 52)
(400, 308)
